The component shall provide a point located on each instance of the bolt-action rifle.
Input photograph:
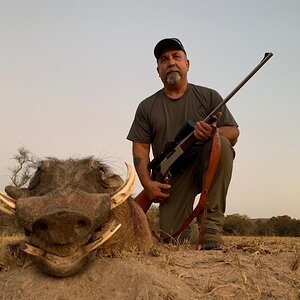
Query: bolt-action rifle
(160, 166)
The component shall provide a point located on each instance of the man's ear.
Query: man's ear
(188, 64)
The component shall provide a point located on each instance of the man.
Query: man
(157, 120)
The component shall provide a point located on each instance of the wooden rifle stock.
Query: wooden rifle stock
(143, 201)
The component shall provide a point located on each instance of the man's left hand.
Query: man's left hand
(203, 131)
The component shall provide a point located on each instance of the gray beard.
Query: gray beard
(173, 78)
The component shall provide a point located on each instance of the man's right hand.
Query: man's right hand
(157, 191)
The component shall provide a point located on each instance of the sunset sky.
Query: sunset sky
(73, 72)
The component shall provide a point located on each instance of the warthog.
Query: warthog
(71, 208)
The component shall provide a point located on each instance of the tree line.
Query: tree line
(242, 225)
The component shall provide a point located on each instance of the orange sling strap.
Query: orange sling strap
(208, 178)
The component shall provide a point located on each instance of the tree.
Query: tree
(22, 172)
(262, 228)
(284, 226)
(238, 225)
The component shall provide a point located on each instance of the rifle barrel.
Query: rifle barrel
(240, 85)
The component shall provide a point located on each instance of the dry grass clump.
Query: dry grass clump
(11, 254)
(9, 225)
(11, 234)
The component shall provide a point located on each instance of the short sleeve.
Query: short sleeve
(140, 130)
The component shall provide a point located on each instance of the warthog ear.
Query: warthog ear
(113, 181)
(16, 193)
(7, 204)
(124, 191)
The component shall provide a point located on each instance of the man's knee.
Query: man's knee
(224, 170)
(227, 151)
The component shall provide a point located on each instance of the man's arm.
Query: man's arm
(141, 160)
(231, 132)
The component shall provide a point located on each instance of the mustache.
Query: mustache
(172, 69)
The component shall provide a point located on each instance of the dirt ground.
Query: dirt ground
(247, 268)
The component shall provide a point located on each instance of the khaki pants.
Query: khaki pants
(186, 179)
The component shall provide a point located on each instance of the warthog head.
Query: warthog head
(72, 207)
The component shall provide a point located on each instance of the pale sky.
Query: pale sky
(73, 72)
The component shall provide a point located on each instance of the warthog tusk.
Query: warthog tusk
(59, 260)
(122, 194)
(7, 204)
(105, 234)
(33, 250)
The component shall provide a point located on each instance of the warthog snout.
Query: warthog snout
(64, 218)
(63, 227)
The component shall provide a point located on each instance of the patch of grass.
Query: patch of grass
(10, 252)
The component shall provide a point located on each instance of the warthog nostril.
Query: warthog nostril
(81, 227)
(81, 223)
(42, 226)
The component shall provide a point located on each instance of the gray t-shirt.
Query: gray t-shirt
(158, 118)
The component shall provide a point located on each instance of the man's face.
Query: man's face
(172, 67)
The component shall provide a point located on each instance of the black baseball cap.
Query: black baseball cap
(165, 44)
